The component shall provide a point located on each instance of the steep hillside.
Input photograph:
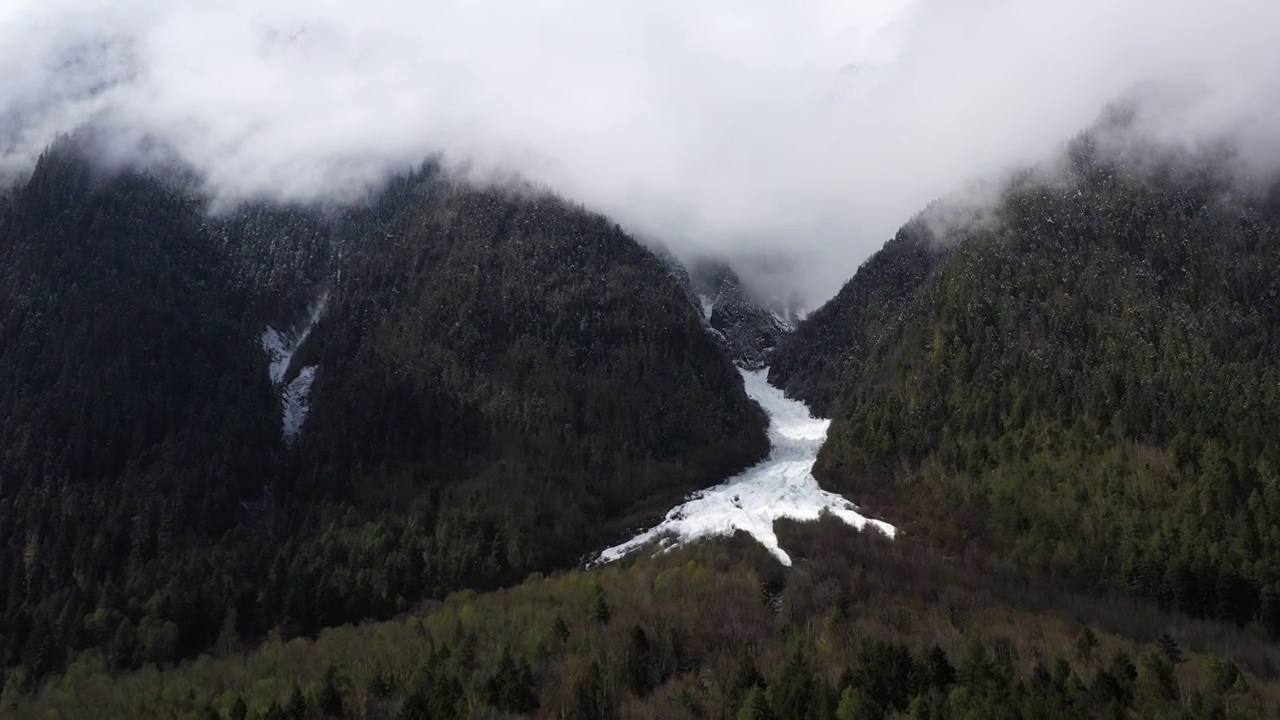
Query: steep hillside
(1085, 381)
(134, 411)
(281, 257)
(825, 356)
(860, 628)
(500, 385)
(525, 355)
(747, 328)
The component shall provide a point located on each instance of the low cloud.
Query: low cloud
(808, 130)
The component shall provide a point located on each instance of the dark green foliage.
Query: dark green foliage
(1124, 671)
(134, 414)
(559, 629)
(756, 706)
(824, 358)
(329, 698)
(1084, 381)
(854, 705)
(1225, 675)
(600, 612)
(795, 693)
(746, 678)
(639, 662)
(378, 686)
(296, 707)
(414, 707)
(474, 655)
(937, 671)
(590, 700)
(505, 383)
(1086, 643)
(1169, 648)
(521, 350)
(512, 688)
(885, 677)
(436, 693)
(1156, 679)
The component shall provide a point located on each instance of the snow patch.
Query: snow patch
(280, 348)
(293, 402)
(279, 352)
(782, 486)
(708, 304)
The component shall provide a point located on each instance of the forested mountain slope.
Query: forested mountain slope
(492, 372)
(528, 354)
(825, 355)
(860, 627)
(746, 327)
(1086, 381)
(134, 411)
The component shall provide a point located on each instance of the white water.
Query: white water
(280, 348)
(782, 486)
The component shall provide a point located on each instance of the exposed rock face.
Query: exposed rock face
(748, 330)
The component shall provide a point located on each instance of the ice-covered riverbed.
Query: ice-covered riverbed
(782, 486)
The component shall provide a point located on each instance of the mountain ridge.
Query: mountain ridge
(1098, 354)
(138, 399)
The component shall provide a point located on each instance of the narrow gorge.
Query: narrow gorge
(781, 486)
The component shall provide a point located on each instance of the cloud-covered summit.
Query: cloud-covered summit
(811, 128)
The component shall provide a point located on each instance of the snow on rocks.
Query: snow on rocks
(782, 486)
(280, 348)
(294, 404)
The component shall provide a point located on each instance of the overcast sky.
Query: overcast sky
(807, 128)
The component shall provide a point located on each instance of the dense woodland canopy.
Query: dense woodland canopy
(1069, 407)
(860, 628)
(530, 349)
(505, 383)
(748, 328)
(1086, 382)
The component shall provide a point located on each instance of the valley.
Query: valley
(1047, 486)
(780, 487)
(887, 360)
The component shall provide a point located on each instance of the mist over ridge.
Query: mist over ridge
(807, 131)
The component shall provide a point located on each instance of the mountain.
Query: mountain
(826, 354)
(747, 327)
(526, 355)
(134, 411)
(492, 383)
(1064, 403)
(860, 627)
(1082, 381)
